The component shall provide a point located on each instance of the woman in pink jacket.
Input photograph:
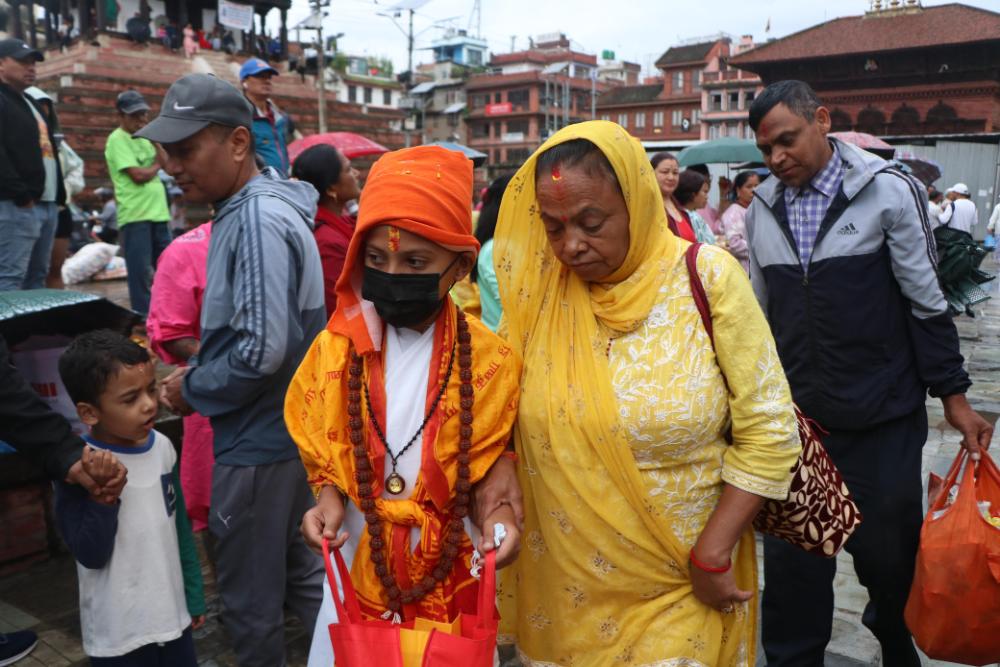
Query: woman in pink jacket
(734, 219)
(174, 331)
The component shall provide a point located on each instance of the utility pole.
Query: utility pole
(320, 63)
(409, 50)
(593, 94)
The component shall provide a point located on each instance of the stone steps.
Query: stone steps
(86, 79)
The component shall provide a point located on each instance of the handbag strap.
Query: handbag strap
(487, 591)
(349, 609)
(698, 290)
(701, 298)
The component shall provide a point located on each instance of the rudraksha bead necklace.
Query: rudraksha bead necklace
(453, 527)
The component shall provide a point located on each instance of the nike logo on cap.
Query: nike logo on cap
(178, 107)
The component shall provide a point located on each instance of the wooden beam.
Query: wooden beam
(32, 27)
(15, 19)
(102, 15)
(284, 34)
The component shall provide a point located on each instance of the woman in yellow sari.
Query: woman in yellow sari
(637, 544)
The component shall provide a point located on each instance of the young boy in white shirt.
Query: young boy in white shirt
(136, 608)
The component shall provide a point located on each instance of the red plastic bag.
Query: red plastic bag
(954, 605)
(469, 641)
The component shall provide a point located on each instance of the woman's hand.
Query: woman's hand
(511, 544)
(498, 487)
(714, 548)
(717, 590)
(324, 520)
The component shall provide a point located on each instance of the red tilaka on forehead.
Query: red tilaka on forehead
(393, 239)
(556, 174)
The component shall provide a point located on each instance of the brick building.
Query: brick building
(899, 70)
(363, 80)
(525, 96)
(671, 107)
(727, 93)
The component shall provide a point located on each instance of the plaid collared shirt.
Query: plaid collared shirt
(807, 206)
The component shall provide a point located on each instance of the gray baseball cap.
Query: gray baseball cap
(193, 103)
(19, 50)
(131, 101)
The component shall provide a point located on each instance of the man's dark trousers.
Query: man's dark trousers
(882, 468)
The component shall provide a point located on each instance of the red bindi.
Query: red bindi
(556, 174)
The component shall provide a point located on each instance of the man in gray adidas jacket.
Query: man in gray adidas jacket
(263, 305)
(843, 263)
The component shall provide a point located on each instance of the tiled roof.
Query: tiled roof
(676, 55)
(630, 95)
(953, 23)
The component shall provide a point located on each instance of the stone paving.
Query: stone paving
(44, 598)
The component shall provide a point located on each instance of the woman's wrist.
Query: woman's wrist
(711, 565)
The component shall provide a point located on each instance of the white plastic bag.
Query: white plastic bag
(87, 261)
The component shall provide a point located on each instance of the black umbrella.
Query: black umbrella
(925, 170)
(59, 312)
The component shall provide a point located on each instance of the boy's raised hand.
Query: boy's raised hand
(100, 473)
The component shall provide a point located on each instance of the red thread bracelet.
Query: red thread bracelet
(510, 454)
(708, 568)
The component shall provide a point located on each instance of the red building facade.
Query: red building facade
(671, 108)
(898, 70)
(525, 97)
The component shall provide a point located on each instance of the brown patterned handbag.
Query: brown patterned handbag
(819, 513)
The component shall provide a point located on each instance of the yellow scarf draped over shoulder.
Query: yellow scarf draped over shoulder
(608, 584)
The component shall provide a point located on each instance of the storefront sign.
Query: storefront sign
(499, 109)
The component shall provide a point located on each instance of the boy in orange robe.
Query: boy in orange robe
(379, 405)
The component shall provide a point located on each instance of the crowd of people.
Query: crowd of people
(623, 431)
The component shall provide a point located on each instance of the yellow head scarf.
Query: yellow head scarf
(570, 437)
(550, 310)
(628, 295)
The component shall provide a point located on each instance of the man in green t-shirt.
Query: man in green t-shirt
(143, 213)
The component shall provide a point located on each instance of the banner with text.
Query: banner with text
(235, 15)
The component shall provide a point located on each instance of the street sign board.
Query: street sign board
(499, 108)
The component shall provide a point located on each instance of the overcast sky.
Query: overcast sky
(636, 30)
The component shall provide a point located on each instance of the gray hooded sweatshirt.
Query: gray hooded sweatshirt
(263, 306)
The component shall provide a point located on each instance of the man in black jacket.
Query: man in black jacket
(843, 263)
(31, 184)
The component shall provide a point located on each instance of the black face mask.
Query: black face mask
(403, 299)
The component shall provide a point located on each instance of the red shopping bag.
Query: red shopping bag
(468, 641)
(954, 605)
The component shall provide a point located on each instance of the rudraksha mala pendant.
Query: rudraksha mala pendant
(454, 528)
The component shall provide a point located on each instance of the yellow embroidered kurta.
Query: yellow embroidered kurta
(623, 454)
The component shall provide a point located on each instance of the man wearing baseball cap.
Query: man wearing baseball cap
(961, 214)
(31, 183)
(262, 306)
(134, 165)
(271, 126)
